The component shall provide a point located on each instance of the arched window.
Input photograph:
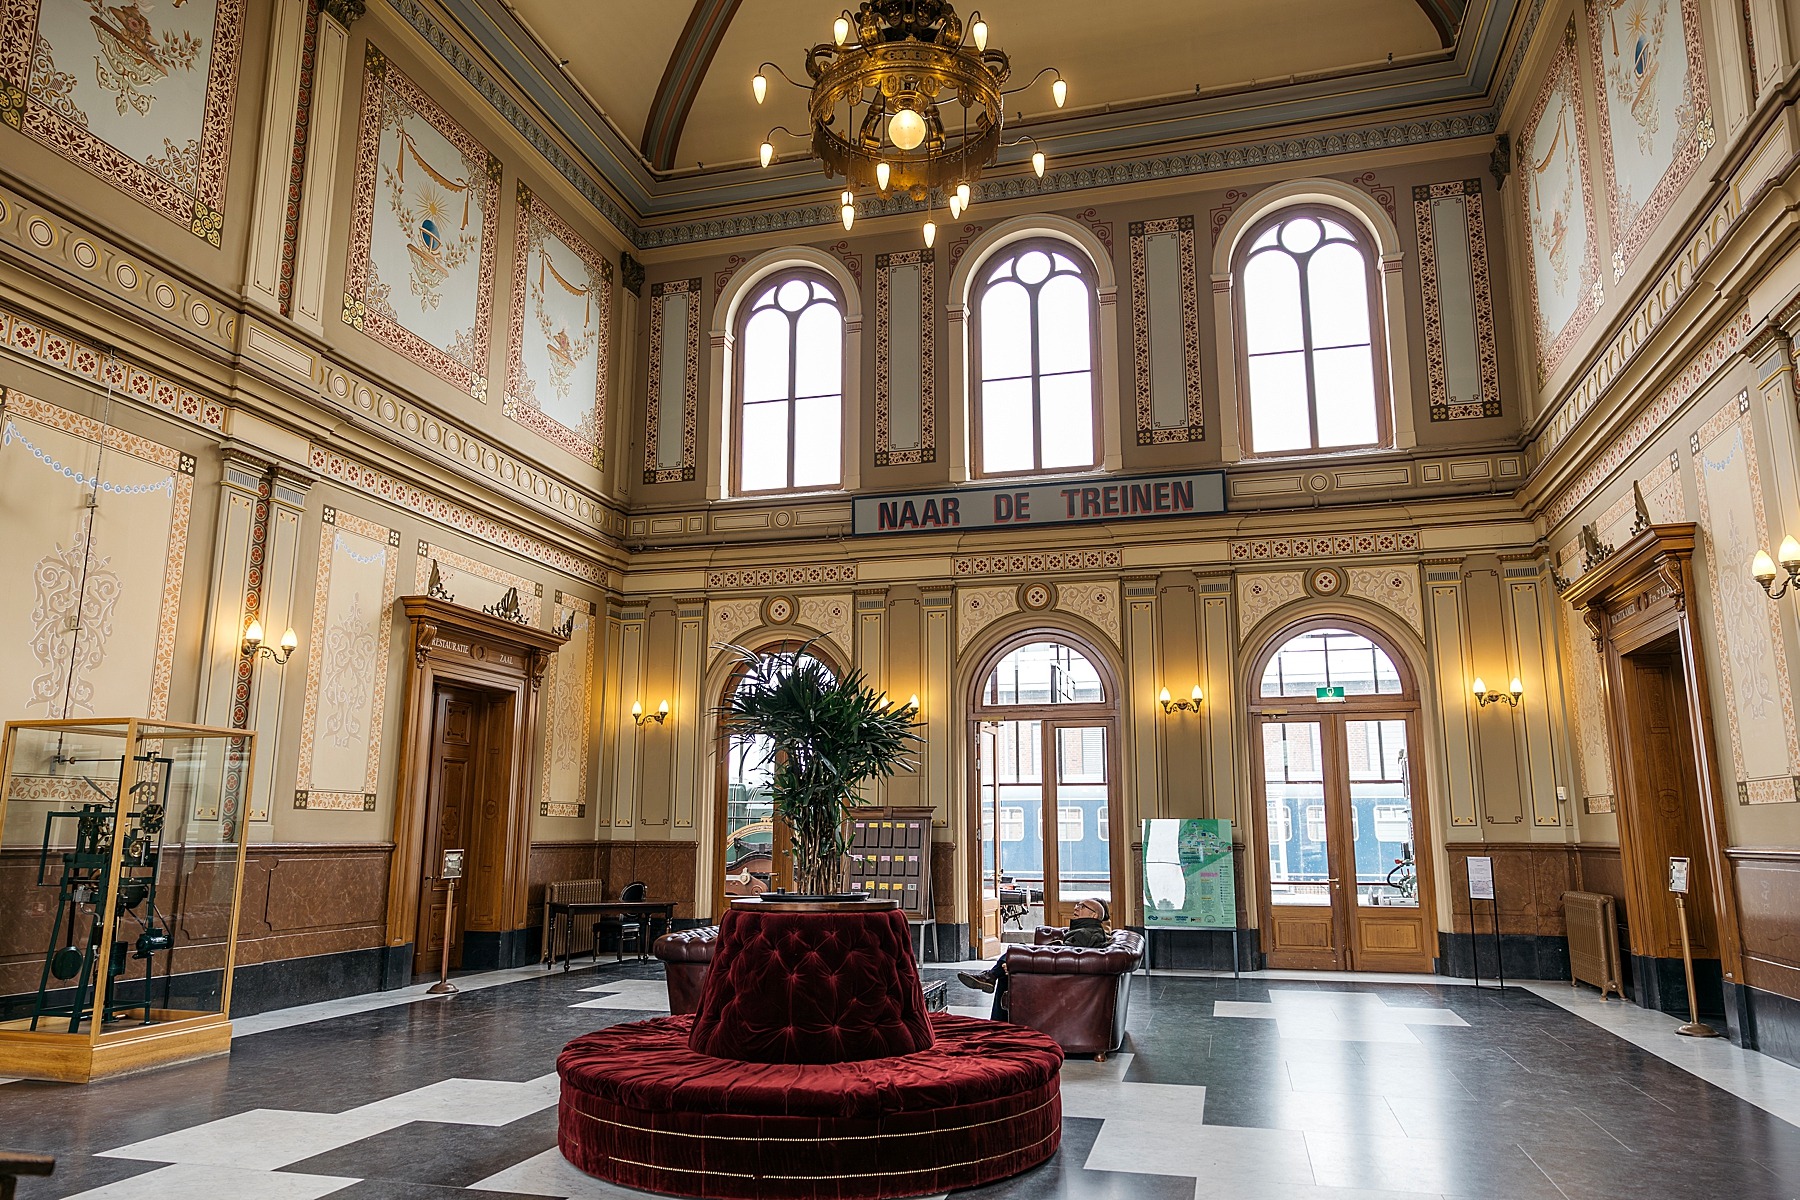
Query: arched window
(790, 395)
(1034, 337)
(1309, 324)
(1330, 658)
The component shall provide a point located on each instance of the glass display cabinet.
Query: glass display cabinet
(121, 866)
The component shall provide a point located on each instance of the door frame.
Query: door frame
(1106, 714)
(1407, 705)
(490, 726)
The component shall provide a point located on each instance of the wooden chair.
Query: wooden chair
(13, 1165)
(629, 927)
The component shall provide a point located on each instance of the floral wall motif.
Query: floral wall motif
(908, 380)
(831, 616)
(140, 94)
(1165, 331)
(568, 716)
(1562, 258)
(557, 347)
(346, 669)
(673, 413)
(977, 608)
(1655, 121)
(1094, 601)
(1752, 655)
(1587, 713)
(1461, 355)
(1260, 594)
(420, 279)
(114, 568)
(1394, 588)
(475, 584)
(728, 621)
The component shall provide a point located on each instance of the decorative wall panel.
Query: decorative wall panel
(1048, 562)
(568, 719)
(1752, 655)
(1461, 357)
(346, 669)
(672, 415)
(1165, 332)
(1562, 251)
(557, 351)
(140, 94)
(1394, 588)
(420, 279)
(728, 621)
(475, 584)
(1655, 121)
(1260, 594)
(831, 616)
(905, 358)
(977, 608)
(77, 358)
(96, 528)
(1587, 713)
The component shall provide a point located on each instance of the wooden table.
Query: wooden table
(555, 910)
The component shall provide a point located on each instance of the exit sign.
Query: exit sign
(1329, 695)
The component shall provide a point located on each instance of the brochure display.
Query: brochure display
(124, 866)
(1189, 880)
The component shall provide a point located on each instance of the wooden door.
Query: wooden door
(987, 842)
(450, 819)
(1303, 919)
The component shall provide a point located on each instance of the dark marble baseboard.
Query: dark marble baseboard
(1765, 1021)
(952, 942)
(1523, 955)
(1661, 983)
(1201, 949)
(486, 950)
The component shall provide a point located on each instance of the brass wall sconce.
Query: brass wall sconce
(1762, 568)
(639, 716)
(1191, 704)
(253, 644)
(1483, 697)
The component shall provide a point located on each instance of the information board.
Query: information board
(1481, 877)
(1189, 879)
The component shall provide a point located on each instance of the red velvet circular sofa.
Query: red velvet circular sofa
(810, 1071)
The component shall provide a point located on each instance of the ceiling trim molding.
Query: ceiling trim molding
(706, 27)
(1445, 17)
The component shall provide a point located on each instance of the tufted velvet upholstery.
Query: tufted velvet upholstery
(811, 987)
(686, 954)
(1076, 994)
(642, 1109)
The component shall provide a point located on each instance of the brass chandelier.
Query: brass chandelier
(905, 63)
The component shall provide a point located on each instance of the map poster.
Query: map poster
(1189, 880)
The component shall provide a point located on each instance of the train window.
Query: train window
(1105, 824)
(1393, 822)
(1281, 822)
(1012, 824)
(1330, 658)
(1315, 822)
(1044, 673)
(1069, 825)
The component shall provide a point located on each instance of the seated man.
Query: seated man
(1087, 928)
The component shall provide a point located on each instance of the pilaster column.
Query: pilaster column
(283, 112)
(324, 134)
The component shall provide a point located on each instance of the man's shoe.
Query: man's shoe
(980, 983)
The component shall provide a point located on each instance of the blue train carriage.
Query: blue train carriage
(1381, 826)
(1083, 833)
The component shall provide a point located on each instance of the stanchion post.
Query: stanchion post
(443, 987)
(1695, 1027)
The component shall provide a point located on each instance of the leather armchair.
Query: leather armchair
(1076, 994)
(686, 954)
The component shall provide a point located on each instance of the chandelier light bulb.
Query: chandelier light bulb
(767, 153)
(930, 233)
(1059, 91)
(1789, 554)
(962, 195)
(840, 30)
(849, 212)
(1762, 567)
(979, 31)
(882, 171)
(846, 197)
(955, 208)
(906, 129)
(759, 84)
(290, 641)
(1516, 688)
(1479, 687)
(1037, 162)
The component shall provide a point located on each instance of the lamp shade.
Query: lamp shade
(1762, 567)
(759, 85)
(906, 129)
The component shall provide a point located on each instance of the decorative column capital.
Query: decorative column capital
(345, 12)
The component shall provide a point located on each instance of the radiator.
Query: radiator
(578, 891)
(1593, 941)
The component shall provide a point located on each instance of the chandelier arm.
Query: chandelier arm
(1026, 86)
(805, 87)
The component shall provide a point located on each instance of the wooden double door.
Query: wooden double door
(1346, 880)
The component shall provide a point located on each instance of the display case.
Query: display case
(121, 866)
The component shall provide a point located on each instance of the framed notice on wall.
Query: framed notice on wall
(1189, 880)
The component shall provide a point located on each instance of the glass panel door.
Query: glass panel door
(987, 800)
(1303, 929)
(1381, 814)
(1019, 802)
(1083, 864)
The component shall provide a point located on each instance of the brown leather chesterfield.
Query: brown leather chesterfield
(1076, 994)
(686, 954)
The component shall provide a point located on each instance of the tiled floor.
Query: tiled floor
(1294, 1088)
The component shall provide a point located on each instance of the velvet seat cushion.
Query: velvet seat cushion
(811, 987)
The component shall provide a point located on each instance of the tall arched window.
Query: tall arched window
(1034, 337)
(1309, 303)
(790, 395)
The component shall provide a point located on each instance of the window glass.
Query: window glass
(1330, 658)
(790, 402)
(1309, 351)
(1044, 673)
(1035, 321)
(1069, 825)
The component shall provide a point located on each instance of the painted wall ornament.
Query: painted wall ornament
(1563, 258)
(557, 347)
(141, 94)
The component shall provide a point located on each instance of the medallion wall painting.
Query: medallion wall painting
(112, 570)
(1562, 256)
(347, 665)
(557, 348)
(1655, 124)
(569, 689)
(140, 94)
(1751, 652)
(420, 279)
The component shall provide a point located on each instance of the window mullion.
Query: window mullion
(793, 408)
(1306, 341)
(1037, 383)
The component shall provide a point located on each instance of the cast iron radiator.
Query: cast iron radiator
(1593, 941)
(577, 891)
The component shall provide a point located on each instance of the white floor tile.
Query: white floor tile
(640, 995)
(306, 1014)
(971, 1010)
(1224, 1157)
(550, 1174)
(1358, 1160)
(1337, 1016)
(189, 1181)
(262, 1139)
(466, 1102)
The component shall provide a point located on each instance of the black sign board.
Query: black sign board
(1065, 502)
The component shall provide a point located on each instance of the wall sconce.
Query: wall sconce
(1483, 697)
(253, 644)
(639, 716)
(1762, 568)
(1191, 704)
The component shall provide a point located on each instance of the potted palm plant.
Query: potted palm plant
(823, 737)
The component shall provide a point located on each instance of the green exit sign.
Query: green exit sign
(1329, 695)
